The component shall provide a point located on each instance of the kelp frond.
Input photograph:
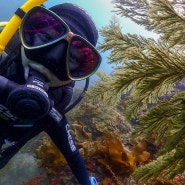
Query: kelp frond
(119, 43)
(150, 73)
(103, 91)
(161, 16)
(137, 11)
(168, 21)
(165, 167)
(166, 122)
(148, 70)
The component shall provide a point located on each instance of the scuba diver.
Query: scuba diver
(52, 49)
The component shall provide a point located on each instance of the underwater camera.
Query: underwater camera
(29, 101)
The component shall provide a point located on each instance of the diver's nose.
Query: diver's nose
(57, 53)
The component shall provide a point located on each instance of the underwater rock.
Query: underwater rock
(21, 167)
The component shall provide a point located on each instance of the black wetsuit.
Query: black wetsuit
(59, 133)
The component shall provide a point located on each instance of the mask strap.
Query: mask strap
(53, 81)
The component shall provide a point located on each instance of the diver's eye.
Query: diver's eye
(43, 24)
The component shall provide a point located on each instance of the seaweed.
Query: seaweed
(112, 160)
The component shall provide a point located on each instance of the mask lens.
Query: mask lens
(40, 28)
(83, 59)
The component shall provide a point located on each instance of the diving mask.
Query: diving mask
(42, 28)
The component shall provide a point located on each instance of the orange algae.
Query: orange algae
(50, 157)
(120, 159)
(107, 150)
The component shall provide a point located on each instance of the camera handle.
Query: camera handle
(29, 101)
